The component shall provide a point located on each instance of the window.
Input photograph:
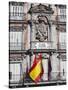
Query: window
(15, 69)
(62, 11)
(15, 40)
(63, 67)
(62, 37)
(16, 12)
(62, 16)
(62, 40)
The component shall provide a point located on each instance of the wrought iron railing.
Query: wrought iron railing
(61, 18)
(22, 79)
(16, 46)
(17, 16)
(62, 45)
(36, 45)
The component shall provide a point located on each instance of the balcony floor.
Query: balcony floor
(48, 83)
(37, 51)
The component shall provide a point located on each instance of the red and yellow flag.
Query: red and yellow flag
(36, 70)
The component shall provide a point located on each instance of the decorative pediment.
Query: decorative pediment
(41, 9)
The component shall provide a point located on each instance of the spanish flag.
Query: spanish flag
(36, 70)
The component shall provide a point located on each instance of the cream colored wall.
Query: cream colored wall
(25, 38)
(45, 67)
(54, 36)
(55, 66)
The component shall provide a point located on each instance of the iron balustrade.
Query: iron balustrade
(61, 18)
(36, 45)
(62, 45)
(23, 16)
(16, 46)
(17, 16)
(22, 79)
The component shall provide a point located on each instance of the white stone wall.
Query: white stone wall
(55, 67)
(45, 67)
(54, 36)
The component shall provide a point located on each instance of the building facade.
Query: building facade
(37, 28)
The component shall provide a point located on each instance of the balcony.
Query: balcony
(61, 18)
(41, 45)
(17, 16)
(62, 45)
(16, 46)
(25, 80)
